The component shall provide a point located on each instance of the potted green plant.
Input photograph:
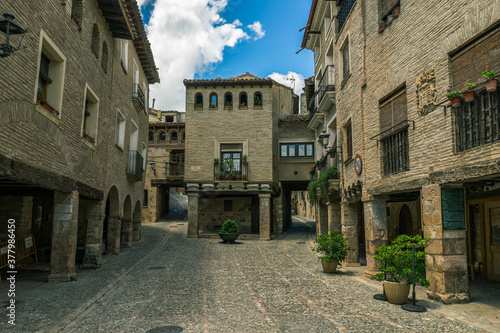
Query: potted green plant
(243, 106)
(231, 176)
(396, 266)
(216, 161)
(244, 159)
(244, 177)
(454, 97)
(257, 102)
(217, 176)
(229, 105)
(198, 106)
(334, 249)
(321, 185)
(238, 177)
(332, 150)
(229, 231)
(212, 105)
(382, 25)
(491, 82)
(470, 92)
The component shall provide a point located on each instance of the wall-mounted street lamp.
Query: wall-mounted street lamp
(324, 136)
(9, 28)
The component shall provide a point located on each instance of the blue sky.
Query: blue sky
(209, 38)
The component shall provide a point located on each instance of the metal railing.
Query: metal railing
(313, 106)
(135, 164)
(327, 83)
(478, 123)
(395, 151)
(138, 95)
(344, 11)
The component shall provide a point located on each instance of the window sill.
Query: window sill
(344, 81)
(47, 114)
(88, 143)
(120, 147)
(348, 160)
(258, 107)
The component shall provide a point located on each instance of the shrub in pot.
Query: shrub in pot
(396, 261)
(334, 249)
(229, 231)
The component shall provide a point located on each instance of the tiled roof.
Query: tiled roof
(295, 118)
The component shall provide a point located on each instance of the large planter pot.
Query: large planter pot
(396, 292)
(455, 101)
(228, 237)
(491, 85)
(329, 267)
(469, 96)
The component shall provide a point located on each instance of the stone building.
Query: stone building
(226, 121)
(410, 163)
(165, 163)
(74, 129)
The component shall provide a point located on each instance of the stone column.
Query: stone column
(322, 219)
(334, 217)
(114, 233)
(64, 236)
(193, 214)
(375, 215)
(136, 227)
(446, 266)
(349, 214)
(93, 244)
(265, 216)
(126, 239)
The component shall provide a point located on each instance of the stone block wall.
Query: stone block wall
(212, 214)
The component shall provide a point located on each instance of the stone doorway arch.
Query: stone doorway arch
(406, 221)
(136, 222)
(112, 224)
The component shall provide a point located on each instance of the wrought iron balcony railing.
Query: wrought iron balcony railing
(138, 97)
(327, 83)
(135, 164)
(344, 11)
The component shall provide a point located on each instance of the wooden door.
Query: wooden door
(492, 231)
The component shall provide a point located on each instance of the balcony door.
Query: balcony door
(492, 230)
(231, 158)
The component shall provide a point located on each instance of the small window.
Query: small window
(228, 205)
(228, 100)
(173, 137)
(348, 140)
(213, 101)
(120, 130)
(163, 136)
(296, 150)
(257, 100)
(345, 60)
(104, 58)
(145, 199)
(169, 119)
(151, 136)
(124, 54)
(90, 115)
(77, 12)
(94, 45)
(198, 100)
(243, 100)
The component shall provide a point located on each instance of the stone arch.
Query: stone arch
(173, 136)
(182, 135)
(112, 225)
(228, 99)
(162, 136)
(257, 99)
(198, 99)
(126, 226)
(136, 221)
(151, 136)
(405, 221)
(213, 103)
(243, 99)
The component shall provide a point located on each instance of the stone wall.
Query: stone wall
(212, 214)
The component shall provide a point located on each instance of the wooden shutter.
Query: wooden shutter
(393, 110)
(468, 63)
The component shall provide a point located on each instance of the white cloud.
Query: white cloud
(257, 28)
(288, 80)
(188, 37)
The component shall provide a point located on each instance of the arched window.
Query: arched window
(257, 99)
(77, 12)
(163, 136)
(151, 136)
(104, 59)
(213, 101)
(173, 137)
(228, 100)
(243, 99)
(94, 46)
(198, 100)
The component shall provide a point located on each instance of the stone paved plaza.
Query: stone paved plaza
(203, 285)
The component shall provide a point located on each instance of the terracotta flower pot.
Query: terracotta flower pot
(469, 96)
(491, 85)
(455, 101)
(397, 10)
(329, 267)
(396, 292)
(382, 27)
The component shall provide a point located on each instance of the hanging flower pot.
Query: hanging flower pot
(455, 101)
(491, 85)
(397, 10)
(469, 96)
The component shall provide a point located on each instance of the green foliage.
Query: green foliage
(216, 160)
(332, 149)
(396, 260)
(381, 22)
(197, 104)
(488, 73)
(229, 227)
(333, 247)
(451, 94)
(322, 184)
(470, 85)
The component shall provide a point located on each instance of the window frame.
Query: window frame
(348, 141)
(124, 54)
(90, 123)
(121, 125)
(296, 144)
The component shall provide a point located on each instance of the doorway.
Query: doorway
(41, 226)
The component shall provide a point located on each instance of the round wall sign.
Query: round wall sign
(358, 164)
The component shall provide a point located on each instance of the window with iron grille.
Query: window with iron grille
(348, 140)
(343, 13)
(345, 60)
(477, 123)
(394, 132)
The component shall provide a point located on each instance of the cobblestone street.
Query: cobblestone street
(203, 285)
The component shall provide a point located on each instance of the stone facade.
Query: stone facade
(257, 120)
(372, 75)
(165, 164)
(72, 128)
